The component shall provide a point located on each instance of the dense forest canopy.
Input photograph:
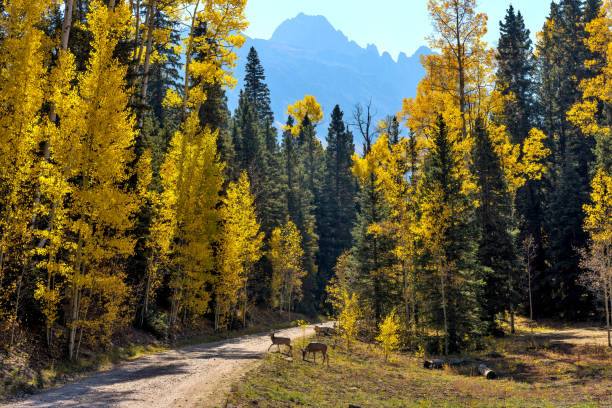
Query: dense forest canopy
(131, 196)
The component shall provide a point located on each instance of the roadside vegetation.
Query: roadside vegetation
(544, 373)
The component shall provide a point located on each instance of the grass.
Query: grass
(545, 375)
(25, 372)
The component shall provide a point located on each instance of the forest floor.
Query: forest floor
(564, 366)
(28, 369)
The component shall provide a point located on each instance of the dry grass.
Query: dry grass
(547, 374)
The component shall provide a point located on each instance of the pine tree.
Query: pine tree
(372, 250)
(309, 178)
(562, 52)
(496, 250)
(255, 88)
(516, 77)
(336, 214)
(447, 229)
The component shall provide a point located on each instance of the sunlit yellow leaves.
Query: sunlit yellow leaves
(300, 109)
(240, 247)
(598, 221)
(225, 23)
(534, 153)
(388, 334)
(286, 254)
(597, 89)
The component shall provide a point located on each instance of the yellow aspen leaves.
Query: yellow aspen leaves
(187, 220)
(240, 247)
(303, 108)
(286, 254)
(598, 221)
(388, 336)
(91, 212)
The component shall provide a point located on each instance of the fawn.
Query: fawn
(280, 341)
(315, 348)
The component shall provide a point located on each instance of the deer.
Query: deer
(324, 331)
(278, 341)
(315, 348)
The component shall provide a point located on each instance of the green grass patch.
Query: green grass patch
(545, 375)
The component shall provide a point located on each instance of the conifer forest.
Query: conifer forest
(131, 197)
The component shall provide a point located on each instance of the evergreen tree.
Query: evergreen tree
(562, 52)
(336, 214)
(516, 77)
(256, 89)
(373, 279)
(496, 250)
(309, 175)
(449, 238)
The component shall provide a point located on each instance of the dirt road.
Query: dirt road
(196, 376)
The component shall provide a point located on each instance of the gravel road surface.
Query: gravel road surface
(196, 376)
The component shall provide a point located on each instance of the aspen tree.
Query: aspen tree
(91, 213)
(398, 170)
(286, 254)
(598, 258)
(191, 173)
(22, 86)
(388, 336)
(593, 114)
(240, 248)
(307, 107)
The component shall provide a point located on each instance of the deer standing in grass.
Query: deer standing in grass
(278, 341)
(315, 348)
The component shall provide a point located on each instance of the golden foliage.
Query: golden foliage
(301, 109)
(240, 247)
(388, 336)
(286, 255)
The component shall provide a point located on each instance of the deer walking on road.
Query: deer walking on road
(278, 341)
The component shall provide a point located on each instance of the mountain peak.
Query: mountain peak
(310, 32)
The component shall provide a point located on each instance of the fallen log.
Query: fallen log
(487, 372)
(439, 364)
(433, 364)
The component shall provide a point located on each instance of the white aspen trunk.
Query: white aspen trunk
(244, 310)
(16, 309)
(75, 300)
(147, 61)
(145, 306)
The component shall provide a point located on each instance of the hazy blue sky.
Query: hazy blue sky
(393, 25)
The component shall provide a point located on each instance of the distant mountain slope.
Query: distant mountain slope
(307, 55)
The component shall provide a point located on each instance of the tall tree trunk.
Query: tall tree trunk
(443, 290)
(75, 300)
(147, 61)
(245, 305)
(608, 300)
